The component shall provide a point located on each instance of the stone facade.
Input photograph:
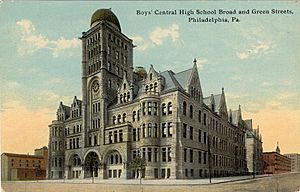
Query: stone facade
(295, 161)
(254, 150)
(124, 113)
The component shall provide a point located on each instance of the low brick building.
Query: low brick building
(16, 167)
(275, 163)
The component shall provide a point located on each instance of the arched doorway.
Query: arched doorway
(74, 167)
(91, 165)
(114, 164)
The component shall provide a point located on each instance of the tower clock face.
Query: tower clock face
(95, 86)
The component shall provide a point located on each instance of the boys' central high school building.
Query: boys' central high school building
(126, 112)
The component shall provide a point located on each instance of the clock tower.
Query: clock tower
(106, 59)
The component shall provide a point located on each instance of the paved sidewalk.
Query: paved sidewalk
(153, 181)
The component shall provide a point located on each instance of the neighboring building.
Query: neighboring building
(254, 150)
(125, 113)
(275, 163)
(295, 161)
(16, 167)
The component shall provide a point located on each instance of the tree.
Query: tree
(138, 164)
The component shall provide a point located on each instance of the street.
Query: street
(273, 183)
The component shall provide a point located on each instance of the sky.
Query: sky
(256, 60)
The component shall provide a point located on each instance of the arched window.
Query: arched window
(163, 109)
(150, 76)
(184, 108)
(191, 111)
(124, 98)
(111, 159)
(146, 88)
(114, 120)
(151, 87)
(128, 96)
(116, 159)
(144, 130)
(124, 86)
(124, 117)
(170, 108)
(121, 98)
(134, 116)
(155, 87)
(119, 118)
(149, 130)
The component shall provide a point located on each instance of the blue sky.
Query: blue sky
(255, 60)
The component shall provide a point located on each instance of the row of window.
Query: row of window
(57, 161)
(57, 131)
(75, 113)
(74, 143)
(95, 123)
(93, 140)
(76, 129)
(118, 70)
(151, 154)
(119, 119)
(27, 165)
(115, 159)
(117, 41)
(195, 94)
(152, 88)
(152, 130)
(60, 117)
(117, 54)
(125, 97)
(96, 107)
(201, 139)
(57, 146)
(115, 136)
(202, 156)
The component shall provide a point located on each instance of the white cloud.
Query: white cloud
(32, 41)
(156, 37)
(257, 49)
(236, 78)
(159, 34)
(265, 84)
(201, 63)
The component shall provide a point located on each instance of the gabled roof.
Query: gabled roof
(217, 99)
(183, 77)
(170, 81)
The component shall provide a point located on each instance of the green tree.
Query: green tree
(138, 164)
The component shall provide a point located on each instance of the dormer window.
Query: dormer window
(150, 76)
(151, 87)
(124, 86)
(146, 89)
(155, 87)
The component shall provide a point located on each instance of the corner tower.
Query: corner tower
(106, 59)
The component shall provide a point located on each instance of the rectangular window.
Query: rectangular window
(184, 130)
(144, 153)
(185, 154)
(117, 55)
(191, 156)
(191, 133)
(149, 154)
(170, 130)
(199, 157)
(163, 154)
(115, 136)
(169, 154)
(192, 172)
(204, 157)
(144, 108)
(149, 108)
(199, 116)
(163, 130)
(154, 108)
(110, 137)
(199, 136)
(155, 154)
(121, 135)
(204, 118)
(134, 134)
